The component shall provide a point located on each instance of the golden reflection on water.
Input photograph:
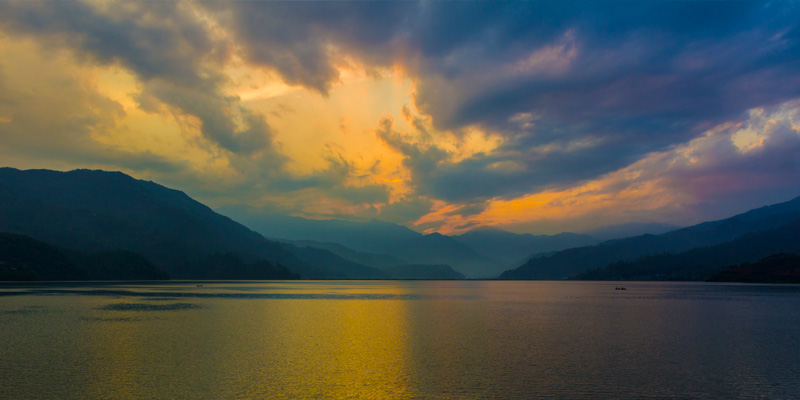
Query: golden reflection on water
(339, 349)
(399, 340)
(252, 349)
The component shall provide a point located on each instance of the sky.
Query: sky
(537, 117)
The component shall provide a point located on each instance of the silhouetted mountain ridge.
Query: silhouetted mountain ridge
(702, 263)
(631, 229)
(107, 211)
(374, 260)
(436, 248)
(574, 261)
(318, 263)
(485, 252)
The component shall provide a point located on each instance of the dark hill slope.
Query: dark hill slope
(574, 261)
(701, 263)
(229, 266)
(105, 211)
(778, 268)
(97, 211)
(24, 258)
(318, 264)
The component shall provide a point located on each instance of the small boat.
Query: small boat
(620, 288)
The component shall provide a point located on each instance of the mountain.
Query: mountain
(229, 266)
(702, 263)
(421, 271)
(570, 262)
(118, 265)
(318, 264)
(778, 268)
(509, 248)
(372, 236)
(394, 267)
(25, 259)
(375, 237)
(436, 248)
(380, 261)
(95, 211)
(630, 229)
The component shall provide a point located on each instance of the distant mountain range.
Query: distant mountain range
(372, 236)
(394, 267)
(87, 224)
(482, 253)
(630, 229)
(513, 249)
(376, 238)
(375, 260)
(572, 262)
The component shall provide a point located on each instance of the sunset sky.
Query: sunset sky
(535, 117)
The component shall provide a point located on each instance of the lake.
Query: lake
(399, 340)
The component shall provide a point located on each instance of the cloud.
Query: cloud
(49, 130)
(648, 83)
(157, 40)
(611, 96)
(176, 58)
(169, 48)
(730, 169)
(404, 210)
(471, 224)
(714, 167)
(304, 41)
(607, 84)
(505, 172)
(218, 115)
(468, 210)
(336, 181)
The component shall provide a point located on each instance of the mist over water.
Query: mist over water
(399, 339)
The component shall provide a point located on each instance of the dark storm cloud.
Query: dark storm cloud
(216, 114)
(631, 77)
(576, 89)
(507, 173)
(294, 38)
(155, 41)
(168, 48)
(640, 81)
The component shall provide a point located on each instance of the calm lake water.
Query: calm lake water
(399, 340)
